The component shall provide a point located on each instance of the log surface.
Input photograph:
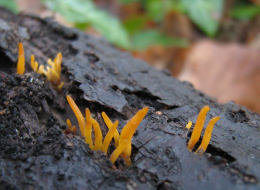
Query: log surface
(36, 154)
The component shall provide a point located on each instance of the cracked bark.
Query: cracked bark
(35, 153)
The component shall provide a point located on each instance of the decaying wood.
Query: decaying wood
(36, 154)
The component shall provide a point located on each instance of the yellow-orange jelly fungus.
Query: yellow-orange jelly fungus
(71, 129)
(52, 71)
(21, 60)
(122, 140)
(196, 133)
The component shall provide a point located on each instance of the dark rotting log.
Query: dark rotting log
(36, 154)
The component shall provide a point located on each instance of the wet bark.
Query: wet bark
(36, 154)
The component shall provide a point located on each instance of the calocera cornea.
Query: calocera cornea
(196, 133)
(70, 129)
(122, 140)
(52, 71)
(21, 60)
(126, 135)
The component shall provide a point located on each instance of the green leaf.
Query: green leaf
(83, 12)
(156, 9)
(134, 24)
(128, 1)
(204, 13)
(245, 12)
(144, 39)
(9, 4)
(81, 26)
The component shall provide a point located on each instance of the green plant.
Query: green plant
(84, 12)
(129, 35)
(132, 33)
(143, 39)
(245, 11)
(204, 13)
(10, 4)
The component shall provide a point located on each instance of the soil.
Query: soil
(36, 154)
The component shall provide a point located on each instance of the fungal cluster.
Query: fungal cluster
(196, 133)
(122, 141)
(52, 71)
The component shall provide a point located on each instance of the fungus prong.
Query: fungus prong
(207, 135)
(78, 114)
(71, 128)
(109, 137)
(189, 124)
(98, 135)
(68, 123)
(88, 129)
(60, 85)
(109, 124)
(131, 126)
(57, 62)
(127, 153)
(198, 128)
(41, 69)
(55, 79)
(21, 60)
(51, 63)
(34, 64)
(128, 132)
(116, 153)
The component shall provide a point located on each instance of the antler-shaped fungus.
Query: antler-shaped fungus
(78, 114)
(53, 71)
(126, 137)
(109, 124)
(71, 129)
(122, 141)
(196, 133)
(110, 134)
(21, 60)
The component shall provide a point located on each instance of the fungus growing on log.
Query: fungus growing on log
(196, 133)
(195, 136)
(21, 60)
(122, 141)
(126, 136)
(34, 64)
(77, 113)
(88, 129)
(207, 135)
(110, 134)
(98, 135)
(188, 126)
(109, 124)
(52, 72)
(71, 129)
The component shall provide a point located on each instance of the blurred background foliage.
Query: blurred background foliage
(10, 4)
(143, 28)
